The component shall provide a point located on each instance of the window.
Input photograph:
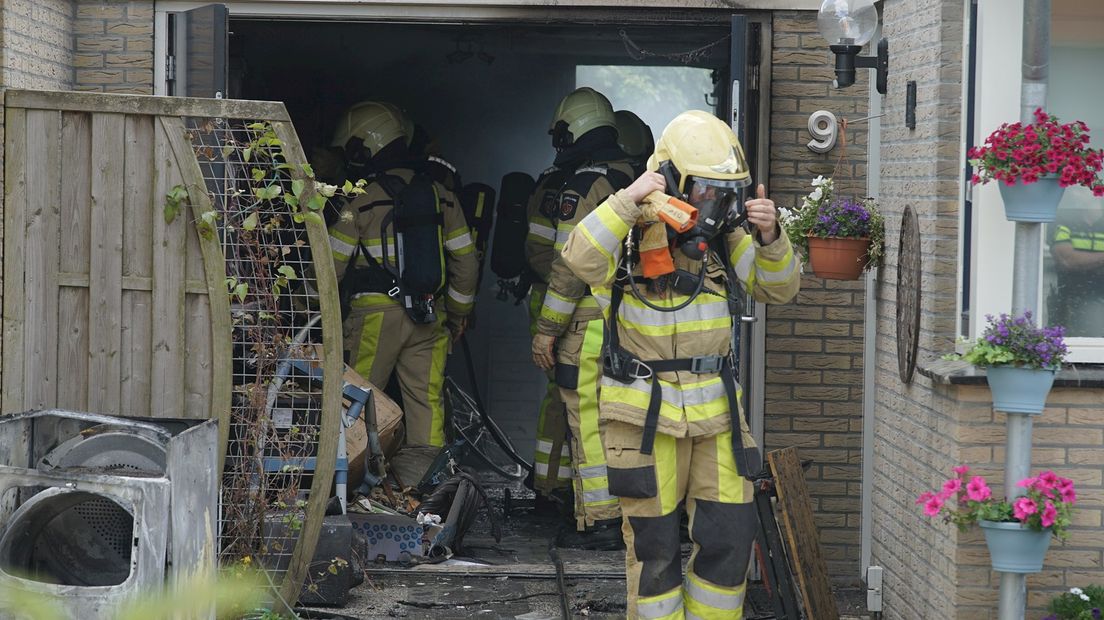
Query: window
(655, 94)
(1072, 266)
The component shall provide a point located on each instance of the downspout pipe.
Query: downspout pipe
(1025, 280)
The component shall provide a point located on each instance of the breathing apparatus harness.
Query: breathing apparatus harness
(418, 273)
(696, 240)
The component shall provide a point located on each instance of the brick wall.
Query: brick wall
(814, 347)
(915, 425)
(37, 46)
(114, 46)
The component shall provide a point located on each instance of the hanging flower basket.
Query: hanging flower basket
(1032, 202)
(1015, 548)
(838, 258)
(1034, 163)
(838, 237)
(1020, 390)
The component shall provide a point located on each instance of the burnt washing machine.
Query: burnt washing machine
(97, 510)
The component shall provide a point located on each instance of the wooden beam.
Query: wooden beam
(145, 105)
(800, 532)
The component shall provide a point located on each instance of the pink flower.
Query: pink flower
(933, 506)
(977, 490)
(1023, 508)
(952, 486)
(1046, 481)
(961, 470)
(924, 497)
(1067, 494)
(1050, 514)
(1026, 482)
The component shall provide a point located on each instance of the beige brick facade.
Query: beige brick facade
(114, 46)
(814, 346)
(917, 426)
(37, 46)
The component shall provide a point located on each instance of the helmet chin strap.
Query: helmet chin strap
(670, 174)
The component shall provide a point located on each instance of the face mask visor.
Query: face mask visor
(719, 202)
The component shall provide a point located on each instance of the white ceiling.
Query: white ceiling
(1077, 23)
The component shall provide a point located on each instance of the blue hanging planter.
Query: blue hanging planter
(1032, 202)
(1014, 548)
(1019, 390)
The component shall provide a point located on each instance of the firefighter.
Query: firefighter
(569, 330)
(634, 136)
(674, 426)
(415, 267)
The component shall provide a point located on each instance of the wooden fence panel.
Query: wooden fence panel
(107, 306)
(76, 212)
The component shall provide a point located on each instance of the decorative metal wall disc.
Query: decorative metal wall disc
(908, 295)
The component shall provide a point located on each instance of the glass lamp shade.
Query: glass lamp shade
(847, 22)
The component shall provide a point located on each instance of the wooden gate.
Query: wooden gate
(113, 307)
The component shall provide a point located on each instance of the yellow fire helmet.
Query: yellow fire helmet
(633, 134)
(376, 124)
(699, 145)
(582, 110)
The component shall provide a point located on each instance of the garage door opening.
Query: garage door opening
(486, 93)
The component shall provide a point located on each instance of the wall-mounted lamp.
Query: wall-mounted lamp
(848, 25)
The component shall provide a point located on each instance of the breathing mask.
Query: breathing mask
(720, 205)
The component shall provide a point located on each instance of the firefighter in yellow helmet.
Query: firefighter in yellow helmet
(634, 136)
(569, 330)
(415, 266)
(675, 430)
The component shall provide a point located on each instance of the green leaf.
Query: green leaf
(347, 187)
(299, 217)
(240, 292)
(307, 170)
(317, 202)
(297, 187)
(258, 174)
(226, 150)
(313, 218)
(257, 126)
(171, 209)
(287, 271)
(247, 153)
(250, 222)
(291, 200)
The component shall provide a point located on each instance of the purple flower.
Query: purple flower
(1030, 346)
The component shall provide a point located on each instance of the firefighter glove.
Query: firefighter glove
(543, 354)
(456, 326)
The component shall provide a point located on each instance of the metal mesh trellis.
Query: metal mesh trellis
(276, 414)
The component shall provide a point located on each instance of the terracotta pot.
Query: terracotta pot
(838, 258)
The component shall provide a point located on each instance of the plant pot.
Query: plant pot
(838, 258)
(1019, 390)
(1015, 548)
(1032, 202)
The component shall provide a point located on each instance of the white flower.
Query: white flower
(817, 182)
(1084, 597)
(1076, 591)
(816, 194)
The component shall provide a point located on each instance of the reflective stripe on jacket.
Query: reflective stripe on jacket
(567, 299)
(693, 404)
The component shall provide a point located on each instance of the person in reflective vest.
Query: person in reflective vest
(669, 399)
(403, 252)
(569, 329)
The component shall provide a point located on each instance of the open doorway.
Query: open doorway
(486, 94)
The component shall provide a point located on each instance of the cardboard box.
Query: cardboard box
(392, 537)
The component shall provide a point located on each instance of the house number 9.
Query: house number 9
(822, 127)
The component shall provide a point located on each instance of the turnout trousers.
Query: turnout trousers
(381, 340)
(578, 373)
(701, 472)
(551, 462)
